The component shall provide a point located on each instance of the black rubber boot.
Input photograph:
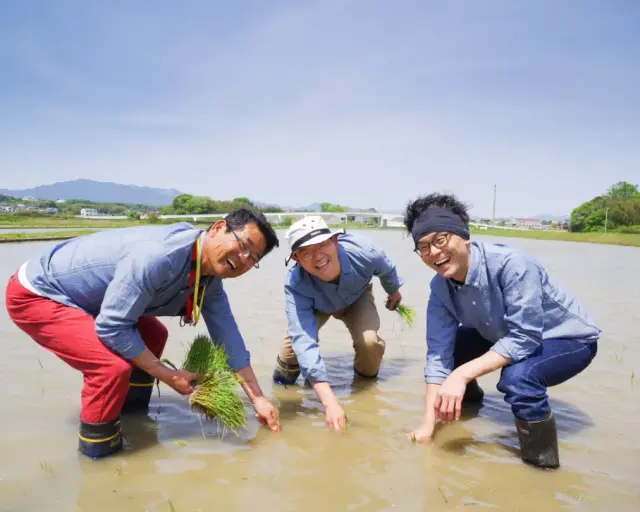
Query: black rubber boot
(285, 374)
(473, 394)
(140, 389)
(362, 375)
(539, 442)
(98, 440)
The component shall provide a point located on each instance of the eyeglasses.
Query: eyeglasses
(440, 241)
(245, 251)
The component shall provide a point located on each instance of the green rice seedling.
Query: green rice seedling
(407, 313)
(214, 395)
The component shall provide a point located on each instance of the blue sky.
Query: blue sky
(364, 103)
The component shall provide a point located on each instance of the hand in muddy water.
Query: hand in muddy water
(448, 405)
(181, 381)
(423, 434)
(267, 414)
(336, 417)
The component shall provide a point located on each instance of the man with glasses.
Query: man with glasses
(332, 277)
(94, 301)
(492, 307)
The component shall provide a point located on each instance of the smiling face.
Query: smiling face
(229, 254)
(448, 254)
(320, 260)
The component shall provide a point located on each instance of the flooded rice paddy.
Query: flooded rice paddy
(473, 464)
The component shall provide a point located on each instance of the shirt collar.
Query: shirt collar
(473, 275)
(345, 262)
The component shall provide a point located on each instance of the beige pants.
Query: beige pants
(362, 320)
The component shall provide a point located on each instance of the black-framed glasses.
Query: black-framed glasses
(440, 241)
(245, 250)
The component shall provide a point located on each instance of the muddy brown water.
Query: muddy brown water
(473, 464)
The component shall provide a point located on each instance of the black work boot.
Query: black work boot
(539, 442)
(98, 440)
(473, 394)
(285, 374)
(140, 389)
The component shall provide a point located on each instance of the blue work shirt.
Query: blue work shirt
(120, 275)
(305, 294)
(510, 299)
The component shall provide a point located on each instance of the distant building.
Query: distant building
(527, 223)
(88, 212)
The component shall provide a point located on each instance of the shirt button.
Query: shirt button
(474, 303)
(486, 323)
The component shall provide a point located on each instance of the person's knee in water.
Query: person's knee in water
(332, 276)
(523, 319)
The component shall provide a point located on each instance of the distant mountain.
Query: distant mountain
(314, 207)
(98, 191)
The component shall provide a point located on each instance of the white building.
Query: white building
(524, 223)
(88, 212)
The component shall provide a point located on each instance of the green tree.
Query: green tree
(329, 207)
(622, 190)
(243, 200)
(619, 207)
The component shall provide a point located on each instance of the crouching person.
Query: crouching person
(94, 300)
(492, 307)
(332, 278)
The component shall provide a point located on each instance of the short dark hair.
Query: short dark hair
(448, 201)
(238, 219)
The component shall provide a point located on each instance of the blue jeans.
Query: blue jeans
(525, 383)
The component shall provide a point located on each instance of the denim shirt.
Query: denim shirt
(120, 275)
(305, 293)
(510, 299)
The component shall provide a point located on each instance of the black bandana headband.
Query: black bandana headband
(436, 220)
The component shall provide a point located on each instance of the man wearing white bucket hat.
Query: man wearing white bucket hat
(332, 277)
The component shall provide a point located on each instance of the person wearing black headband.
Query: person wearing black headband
(492, 308)
(332, 276)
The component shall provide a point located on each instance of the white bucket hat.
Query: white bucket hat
(309, 230)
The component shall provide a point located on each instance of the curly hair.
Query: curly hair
(418, 206)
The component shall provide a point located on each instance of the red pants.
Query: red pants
(70, 334)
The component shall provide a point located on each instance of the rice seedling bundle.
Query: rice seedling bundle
(407, 313)
(214, 395)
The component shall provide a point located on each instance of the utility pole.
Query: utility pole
(606, 218)
(493, 219)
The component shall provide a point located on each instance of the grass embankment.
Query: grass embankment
(17, 222)
(43, 236)
(86, 226)
(593, 238)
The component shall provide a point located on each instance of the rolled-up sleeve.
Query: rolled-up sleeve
(386, 271)
(222, 325)
(303, 329)
(442, 328)
(522, 292)
(135, 281)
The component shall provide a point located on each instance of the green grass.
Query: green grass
(593, 238)
(86, 226)
(214, 395)
(45, 235)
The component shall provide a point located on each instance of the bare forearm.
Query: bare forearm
(249, 383)
(487, 363)
(431, 393)
(152, 365)
(325, 393)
